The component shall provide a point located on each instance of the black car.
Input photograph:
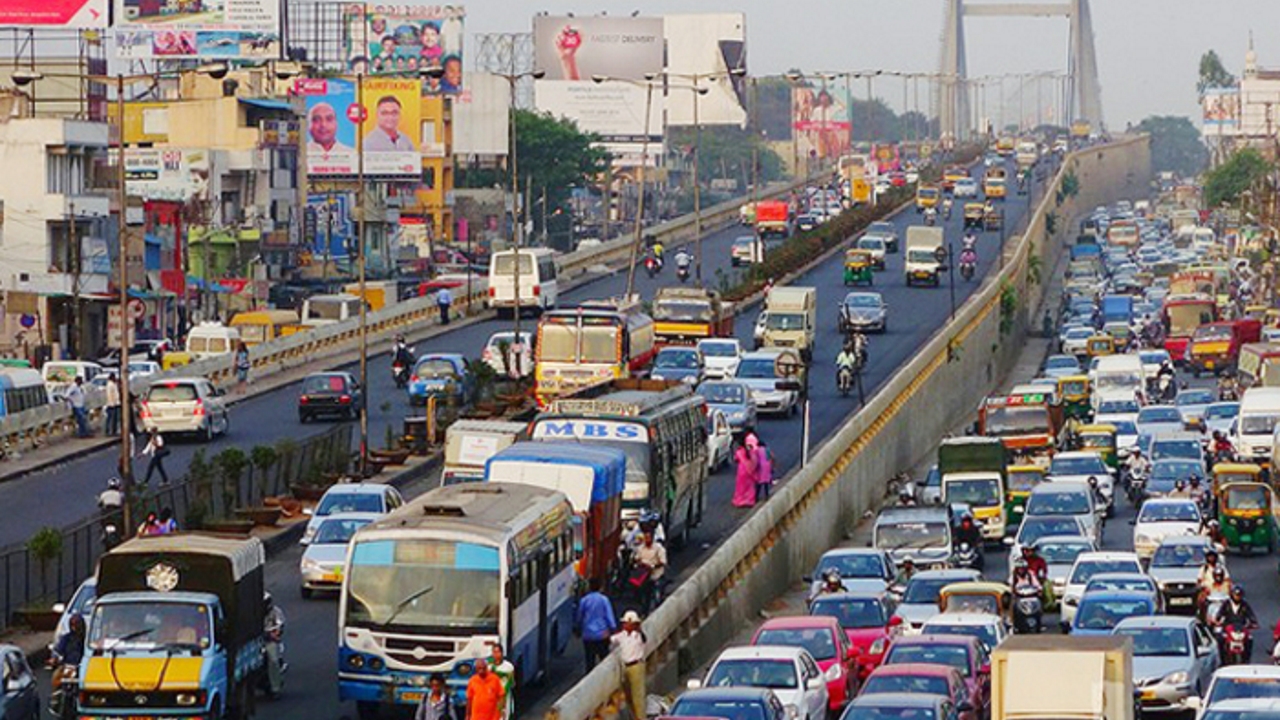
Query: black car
(336, 394)
(19, 693)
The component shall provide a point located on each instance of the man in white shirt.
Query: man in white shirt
(322, 125)
(113, 406)
(75, 398)
(444, 300)
(386, 137)
(630, 642)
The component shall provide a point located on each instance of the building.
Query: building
(1247, 115)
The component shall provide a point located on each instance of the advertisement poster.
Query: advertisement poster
(1221, 109)
(206, 29)
(166, 173)
(578, 48)
(383, 39)
(53, 13)
(820, 119)
(330, 223)
(614, 111)
(384, 119)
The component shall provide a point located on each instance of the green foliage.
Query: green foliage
(1008, 307)
(1070, 184)
(263, 457)
(1175, 145)
(1051, 224)
(1225, 182)
(1213, 74)
(45, 546)
(727, 152)
(1034, 267)
(231, 464)
(197, 513)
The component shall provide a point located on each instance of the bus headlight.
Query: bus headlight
(189, 699)
(355, 661)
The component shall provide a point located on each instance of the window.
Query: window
(65, 173)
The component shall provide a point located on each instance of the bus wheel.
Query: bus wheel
(367, 710)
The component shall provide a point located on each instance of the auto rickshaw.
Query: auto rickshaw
(974, 213)
(858, 267)
(1074, 393)
(1120, 334)
(1246, 514)
(992, 598)
(992, 218)
(1227, 473)
(1100, 345)
(1022, 480)
(1100, 439)
(1256, 312)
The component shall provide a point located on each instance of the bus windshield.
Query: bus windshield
(682, 311)
(424, 583)
(982, 492)
(1184, 319)
(1024, 420)
(559, 343)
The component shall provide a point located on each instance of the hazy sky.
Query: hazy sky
(1148, 50)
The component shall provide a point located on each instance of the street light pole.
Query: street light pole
(697, 182)
(360, 263)
(122, 267)
(644, 160)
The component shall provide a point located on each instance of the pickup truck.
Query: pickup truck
(1057, 677)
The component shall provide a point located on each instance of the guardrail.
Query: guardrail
(33, 428)
(935, 390)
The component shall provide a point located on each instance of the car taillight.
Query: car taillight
(413, 378)
(537, 290)
(345, 399)
(493, 292)
(198, 410)
(144, 411)
(304, 400)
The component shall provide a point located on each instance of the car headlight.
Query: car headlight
(793, 713)
(834, 673)
(690, 379)
(1177, 678)
(189, 699)
(309, 565)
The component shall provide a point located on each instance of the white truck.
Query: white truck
(922, 264)
(1057, 677)
(792, 318)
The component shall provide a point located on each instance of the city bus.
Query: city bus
(589, 345)
(431, 587)
(21, 389)
(662, 429)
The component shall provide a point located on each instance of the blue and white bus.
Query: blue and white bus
(21, 389)
(431, 587)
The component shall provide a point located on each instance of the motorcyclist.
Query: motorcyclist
(401, 353)
(1222, 449)
(930, 215)
(1218, 584)
(970, 242)
(906, 499)
(1237, 613)
(1180, 490)
(1226, 389)
(848, 358)
(1098, 498)
(968, 256)
(657, 250)
(112, 498)
(831, 583)
(683, 259)
(1023, 576)
(968, 532)
(1213, 531)
(1212, 564)
(946, 207)
(1035, 564)
(273, 638)
(1166, 372)
(65, 659)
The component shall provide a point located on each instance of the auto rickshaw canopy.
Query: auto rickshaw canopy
(992, 598)
(1226, 473)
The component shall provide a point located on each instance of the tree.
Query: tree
(1225, 182)
(1213, 74)
(1175, 144)
(726, 152)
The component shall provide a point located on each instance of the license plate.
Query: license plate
(1148, 694)
(1208, 364)
(921, 275)
(332, 577)
(1180, 601)
(412, 696)
(1246, 539)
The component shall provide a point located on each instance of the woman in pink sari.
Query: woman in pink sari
(744, 488)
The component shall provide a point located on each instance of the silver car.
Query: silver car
(759, 371)
(920, 597)
(186, 405)
(1175, 566)
(864, 311)
(326, 554)
(1173, 660)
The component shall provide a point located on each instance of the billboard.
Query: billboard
(53, 13)
(330, 224)
(820, 120)
(166, 173)
(577, 48)
(612, 110)
(709, 46)
(1221, 110)
(383, 117)
(480, 116)
(207, 29)
(404, 39)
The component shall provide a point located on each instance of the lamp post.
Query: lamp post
(944, 255)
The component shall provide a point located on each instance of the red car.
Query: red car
(962, 652)
(868, 622)
(922, 678)
(826, 641)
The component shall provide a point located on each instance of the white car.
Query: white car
(1076, 341)
(720, 357)
(1241, 683)
(185, 405)
(789, 671)
(965, 188)
(1160, 518)
(378, 498)
(719, 439)
(492, 354)
(1079, 466)
(757, 333)
(326, 554)
(1086, 566)
(1062, 497)
(989, 629)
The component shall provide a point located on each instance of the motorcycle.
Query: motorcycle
(1235, 643)
(1165, 388)
(1028, 609)
(844, 380)
(63, 703)
(966, 270)
(400, 373)
(930, 217)
(966, 556)
(682, 273)
(652, 265)
(946, 211)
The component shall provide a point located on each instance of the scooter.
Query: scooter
(682, 273)
(63, 703)
(400, 373)
(1028, 609)
(966, 556)
(966, 271)
(1235, 641)
(652, 265)
(930, 217)
(844, 380)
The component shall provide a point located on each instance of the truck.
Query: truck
(1005, 146)
(1259, 366)
(1027, 423)
(973, 471)
(922, 263)
(1063, 677)
(791, 318)
(177, 629)
(685, 315)
(1215, 346)
(773, 219)
(1181, 316)
(1117, 308)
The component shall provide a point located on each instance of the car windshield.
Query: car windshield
(718, 349)
(852, 566)
(912, 535)
(324, 384)
(1104, 614)
(1229, 688)
(1169, 512)
(1129, 584)
(1195, 397)
(682, 310)
(1178, 555)
(171, 392)
(925, 590)
(757, 368)
(1222, 412)
(1056, 553)
(1086, 569)
(957, 656)
(862, 301)
(337, 531)
(1058, 503)
(1117, 406)
(784, 321)
(1123, 427)
(149, 625)
(1079, 465)
(1176, 450)
(889, 712)
(349, 502)
(1158, 414)
(851, 612)
(722, 709)
(435, 369)
(1033, 529)
(871, 243)
(1258, 424)
(1250, 497)
(1062, 362)
(1001, 421)
(980, 492)
(678, 360)
(820, 642)
(985, 633)
(774, 674)
(927, 684)
(723, 393)
(1212, 333)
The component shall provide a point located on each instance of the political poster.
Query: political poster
(1221, 109)
(203, 29)
(383, 118)
(403, 40)
(166, 173)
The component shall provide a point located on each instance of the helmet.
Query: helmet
(1217, 434)
(1195, 480)
(1237, 591)
(1180, 484)
(832, 576)
(113, 483)
(1210, 553)
(1093, 481)
(908, 562)
(267, 599)
(1219, 573)
(1212, 524)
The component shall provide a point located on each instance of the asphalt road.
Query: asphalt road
(915, 313)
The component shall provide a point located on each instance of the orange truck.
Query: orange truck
(1026, 423)
(1182, 315)
(773, 218)
(1215, 346)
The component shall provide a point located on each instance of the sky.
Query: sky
(1148, 50)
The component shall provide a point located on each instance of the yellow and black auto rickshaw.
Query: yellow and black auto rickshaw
(992, 598)
(1100, 439)
(1226, 473)
(858, 267)
(1100, 345)
(1022, 480)
(1246, 512)
(974, 215)
(1073, 392)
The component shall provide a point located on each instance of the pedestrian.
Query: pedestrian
(150, 525)
(167, 524)
(764, 468)
(242, 367)
(158, 451)
(506, 672)
(75, 399)
(273, 645)
(484, 694)
(630, 642)
(651, 557)
(744, 489)
(437, 704)
(595, 623)
(444, 300)
(113, 406)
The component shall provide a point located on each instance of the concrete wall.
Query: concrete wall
(782, 540)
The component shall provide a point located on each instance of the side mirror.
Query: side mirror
(693, 684)
(59, 608)
(895, 621)
(815, 683)
(1007, 540)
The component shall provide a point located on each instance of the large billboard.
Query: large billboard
(53, 13)
(209, 29)
(481, 115)
(166, 173)
(612, 110)
(384, 118)
(1221, 110)
(387, 39)
(820, 120)
(708, 46)
(578, 48)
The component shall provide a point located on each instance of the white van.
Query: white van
(320, 310)
(1116, 374)
(61, 374)
(1254, 426)
(209, 338)
(792, 318)
(537, 279)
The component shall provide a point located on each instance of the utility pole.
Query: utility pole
(122, 263)
(644, 160)
(73, 245)
(360, 261)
